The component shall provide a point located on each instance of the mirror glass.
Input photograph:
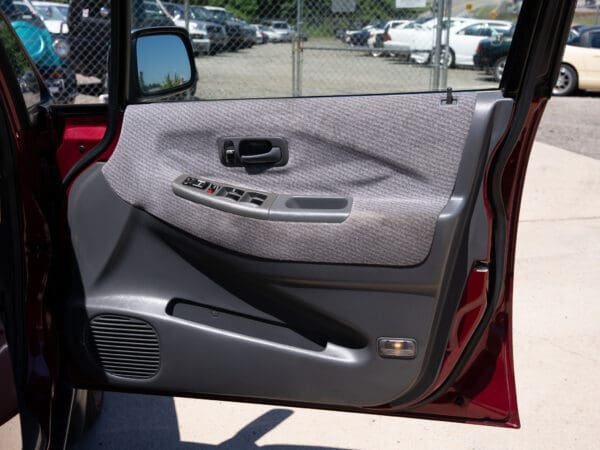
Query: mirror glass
(162, 62)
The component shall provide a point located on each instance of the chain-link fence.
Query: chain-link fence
(280, 48)
(345, 47)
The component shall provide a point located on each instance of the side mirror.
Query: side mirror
(162, 65)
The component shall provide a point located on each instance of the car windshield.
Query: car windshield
(177, 12)
(220, 15)
(280, 26)
(508, 33)
(17, 11)
(200, 14)
(151, 10)
(50, 12)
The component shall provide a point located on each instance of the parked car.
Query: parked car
(50, 54)
(401, 41)
(272, 35)
(261, 33)
(89, 31)
(248, 34)
(376, 36)
(207, 37)
(356, 25)
(580, 68)
(235, 34)
(464, 35)
(54, 16)
(464, 39)
(490, 54)
(282, 29)
(359, 38)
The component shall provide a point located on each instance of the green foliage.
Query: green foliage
(169, 81)
(243, 9)
(317, 13)
(16, 56)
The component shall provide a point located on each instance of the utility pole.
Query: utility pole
(297, 51)
(435, 85)
(186, 14)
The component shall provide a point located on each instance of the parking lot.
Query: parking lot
(266, 71)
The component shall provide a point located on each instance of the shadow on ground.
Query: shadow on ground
(150, 422)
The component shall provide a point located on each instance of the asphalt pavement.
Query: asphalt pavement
(573, 123)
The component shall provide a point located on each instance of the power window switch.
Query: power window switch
(199, 184)
(189, 181)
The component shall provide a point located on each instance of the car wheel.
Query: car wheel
(451, 58)
(567, 81)
(498, 69)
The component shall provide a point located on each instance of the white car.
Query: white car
(375, 40)
(207, 37)
(261, 36)
(283, 31)
(464, 39)
(54, 16)
(411, 39)
(580, 68)
(465, 34)
(272, 35)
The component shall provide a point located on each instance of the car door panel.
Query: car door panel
(172, 294)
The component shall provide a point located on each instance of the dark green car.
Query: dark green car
(491, 53)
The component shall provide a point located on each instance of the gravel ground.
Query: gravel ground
(266, 71)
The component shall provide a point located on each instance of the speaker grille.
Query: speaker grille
(126, 347)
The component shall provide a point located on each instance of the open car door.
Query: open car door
(301, 251)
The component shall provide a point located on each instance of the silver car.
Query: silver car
(207, 37)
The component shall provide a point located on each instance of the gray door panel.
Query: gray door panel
(174, 296)
(396, 156)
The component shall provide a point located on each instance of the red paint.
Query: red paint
(80, 135)
(40, 336)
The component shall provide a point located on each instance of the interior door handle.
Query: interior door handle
(251, 151)
(271, 157)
